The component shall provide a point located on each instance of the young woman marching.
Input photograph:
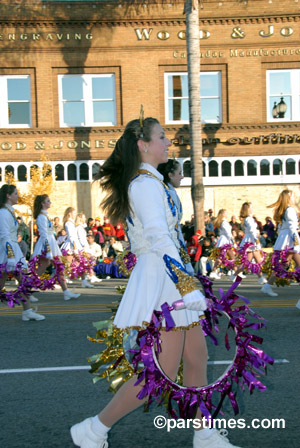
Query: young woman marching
(251, 236)
(10, 252)
(72, 244)
(286, 219)
(84, 245)
(225, 238)
(47, 242)
(172, 178)
(135, 189)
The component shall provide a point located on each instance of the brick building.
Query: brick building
(73, 73)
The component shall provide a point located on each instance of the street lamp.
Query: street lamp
(279, 109)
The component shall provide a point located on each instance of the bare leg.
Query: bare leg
(25, 305)
(126, 399)
(241, 268)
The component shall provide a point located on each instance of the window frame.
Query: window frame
(87, 99)
(4, 119)
(294, 95)
(203, 73)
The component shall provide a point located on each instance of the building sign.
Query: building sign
(181, 140)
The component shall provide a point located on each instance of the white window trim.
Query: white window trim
(295, 95)
(87, 100)
(167, 74)
(4, 119)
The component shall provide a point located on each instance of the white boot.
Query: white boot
(70, 295)
(298, 304)
(83, 435)
(86, 284)
(262, 280)
(33, 299)
(94, 279)
(31, 315)
(267, 289)
(216, 439)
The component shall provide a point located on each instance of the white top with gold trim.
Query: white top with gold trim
(10, 251)
(288, 237)
(46, 239)
(225, 234)
(251, 234)
(71, 244)
(152, 234)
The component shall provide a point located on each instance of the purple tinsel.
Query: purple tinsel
(279, 264)
(248, 365)
(223, 256)
(255, 268)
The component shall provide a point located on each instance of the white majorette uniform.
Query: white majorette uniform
(71, 244)
(81, 235)
(225, 234)
(251, 234)
(10, 252)
(151, 230)
(46, 239)
(288, 236)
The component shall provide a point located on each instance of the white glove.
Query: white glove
(296, 249)
(189, 268)
(195, 301)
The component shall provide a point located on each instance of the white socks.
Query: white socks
(99, 428)
(203, 434)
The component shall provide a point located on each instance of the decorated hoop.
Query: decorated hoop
(223, 256)
(126, 262)
(183, 402)
(24, 288)
(280, 263)
(82, 263)
(45, 281)
(255, 268)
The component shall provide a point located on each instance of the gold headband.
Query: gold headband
(141, 120)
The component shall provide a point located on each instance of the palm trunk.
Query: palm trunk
(193, 58)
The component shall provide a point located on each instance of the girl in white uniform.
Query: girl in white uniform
(172, 178)
(80, 223)
(286, 219)
(251, 236)
(47, 244)
(10, 252)
(136, 190)
(224, 239)
(72, 244)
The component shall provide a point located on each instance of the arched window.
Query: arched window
(0, 174)
(226, 168)
(264, 167)
(95, 169)
(204, 169)
(33, 168)
(277, 167)
(9, 170)
(84, 171)
(187, 168)
(22, 173)
(290, 166)
(213, 169)
(239, 168)
(72, 172)
(251, 168)
(59, 172)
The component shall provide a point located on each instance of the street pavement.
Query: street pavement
(45, 385)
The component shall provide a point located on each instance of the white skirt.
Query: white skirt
(222, 241)
(11, 263)
(284, 241)
(249, 239)
(40, 247)
(149, 286)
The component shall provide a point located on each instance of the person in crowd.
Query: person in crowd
(235, 225)
(94, 248)
(188, 229)
(23, 245)
(135, 189)
(115, 248)
(99, 232)
(269, 229)
(61, 237)
(225, 238)
(209, 227)
(47, 247)
(286, 218)
(10, 252)
(72, 245)
(201, 265)
(57, 227)
(108, 228)
(89, 224)
(263, 239)
(251, 236)
(23, 229)
(120, 234)
(80, 223)
(194, 249)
